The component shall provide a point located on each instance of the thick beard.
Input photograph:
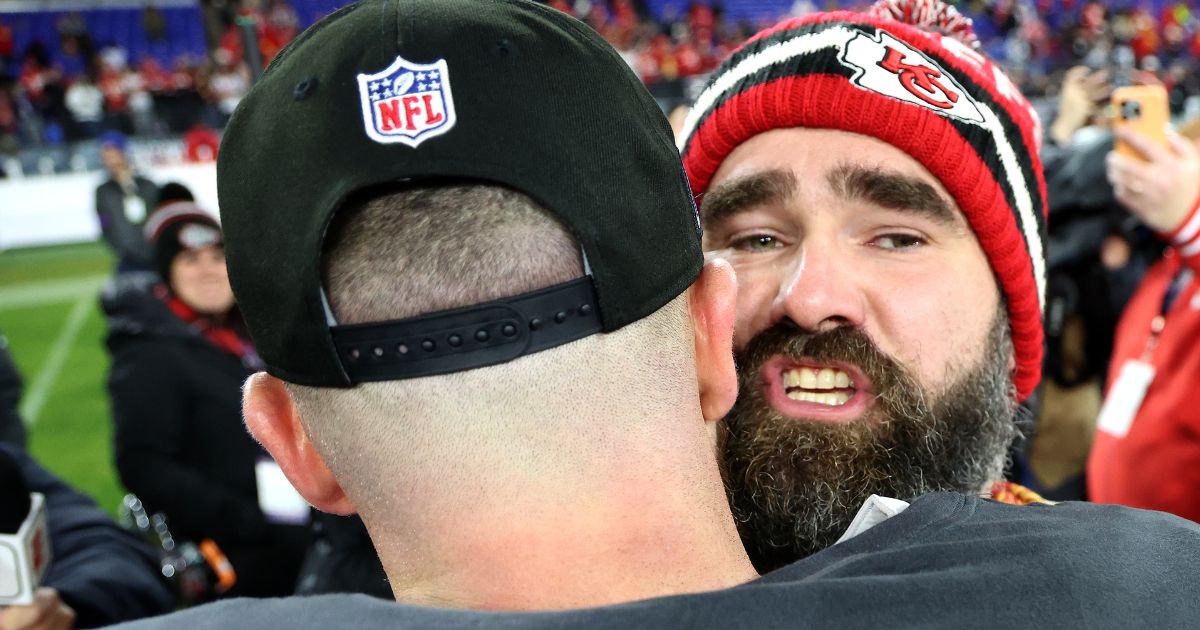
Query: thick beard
(795, 485)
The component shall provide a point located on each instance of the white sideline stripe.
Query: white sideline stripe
(40, 293)
(35, 398)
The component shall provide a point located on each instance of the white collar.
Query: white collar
(874, 510)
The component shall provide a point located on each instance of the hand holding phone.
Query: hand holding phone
(1155, 173)
(1140, 108)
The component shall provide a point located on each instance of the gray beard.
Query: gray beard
(795, 485)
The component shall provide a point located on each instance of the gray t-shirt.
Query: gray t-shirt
(948, 561)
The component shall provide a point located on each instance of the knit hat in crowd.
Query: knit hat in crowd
(390, 92)
(928, 93)
(178, 227)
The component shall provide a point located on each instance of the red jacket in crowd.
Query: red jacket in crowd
(1156, 464)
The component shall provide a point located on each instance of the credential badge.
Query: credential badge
(407, 102)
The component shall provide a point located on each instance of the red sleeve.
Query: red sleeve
(1185, 239)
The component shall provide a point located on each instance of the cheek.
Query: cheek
(939, 325)
(182, 274)
(757, 291)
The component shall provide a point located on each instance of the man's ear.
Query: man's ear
(273, 420)
(713, 302)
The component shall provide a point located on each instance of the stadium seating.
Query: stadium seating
(121, 27)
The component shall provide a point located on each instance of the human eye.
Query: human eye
(755, 243)
(898, 241)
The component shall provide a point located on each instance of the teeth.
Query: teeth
(835, 399)
(813, 378)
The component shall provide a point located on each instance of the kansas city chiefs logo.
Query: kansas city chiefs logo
(891, 67)
(407, 103)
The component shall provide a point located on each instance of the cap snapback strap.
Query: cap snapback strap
(470, 337)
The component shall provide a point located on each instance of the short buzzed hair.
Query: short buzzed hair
(403, 253)
(435, 247)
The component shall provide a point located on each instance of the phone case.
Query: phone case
(1142, 108)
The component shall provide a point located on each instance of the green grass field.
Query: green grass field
(50, 313)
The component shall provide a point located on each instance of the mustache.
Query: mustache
(846, 344)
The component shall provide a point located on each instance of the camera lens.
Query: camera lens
(1131, 110)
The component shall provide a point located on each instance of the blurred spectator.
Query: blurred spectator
(123, 202)
(72, 26)
(1037, 39)
(227, 85)
(154, 23)
(1096, 255)
(176, 101)
(275, 23)
(141, 104)
(116, 96)
(155, 78)
(12, 429)
(1147, 448)
(74, 55)
(179, 356)
(85, 101)
(201, 144)
(9, 129)
(173, 192)
(42, 88)
(6, 44)
(281, 25)
(99, 574)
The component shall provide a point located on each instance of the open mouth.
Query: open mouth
(816, 390)
(824, 386)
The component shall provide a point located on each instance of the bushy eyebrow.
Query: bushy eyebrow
(893, 190)
(742, 194)
(887, 189)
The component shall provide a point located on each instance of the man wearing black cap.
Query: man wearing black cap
(489, 330)
(494, 384)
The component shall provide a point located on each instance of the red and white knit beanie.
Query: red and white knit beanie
(927, 93)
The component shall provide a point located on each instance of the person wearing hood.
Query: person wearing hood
(180, 353)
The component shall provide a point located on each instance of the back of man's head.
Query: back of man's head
(560, 416)
(483, 308)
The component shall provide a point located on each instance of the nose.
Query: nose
(822, 291)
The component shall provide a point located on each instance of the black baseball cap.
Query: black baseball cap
(511, 92)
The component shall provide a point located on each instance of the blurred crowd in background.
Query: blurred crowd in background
(177, 70)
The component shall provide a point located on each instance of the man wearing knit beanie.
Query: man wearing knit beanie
(875, 183)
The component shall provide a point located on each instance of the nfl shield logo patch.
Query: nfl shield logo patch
(407, 103)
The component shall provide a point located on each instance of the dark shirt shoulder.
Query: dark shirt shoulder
(948, 561)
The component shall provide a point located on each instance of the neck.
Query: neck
(627, 532)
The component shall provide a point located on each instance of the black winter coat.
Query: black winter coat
(104, 573)
(180, 443)
(125, 237)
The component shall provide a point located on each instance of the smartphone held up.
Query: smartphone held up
(1144, 109)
